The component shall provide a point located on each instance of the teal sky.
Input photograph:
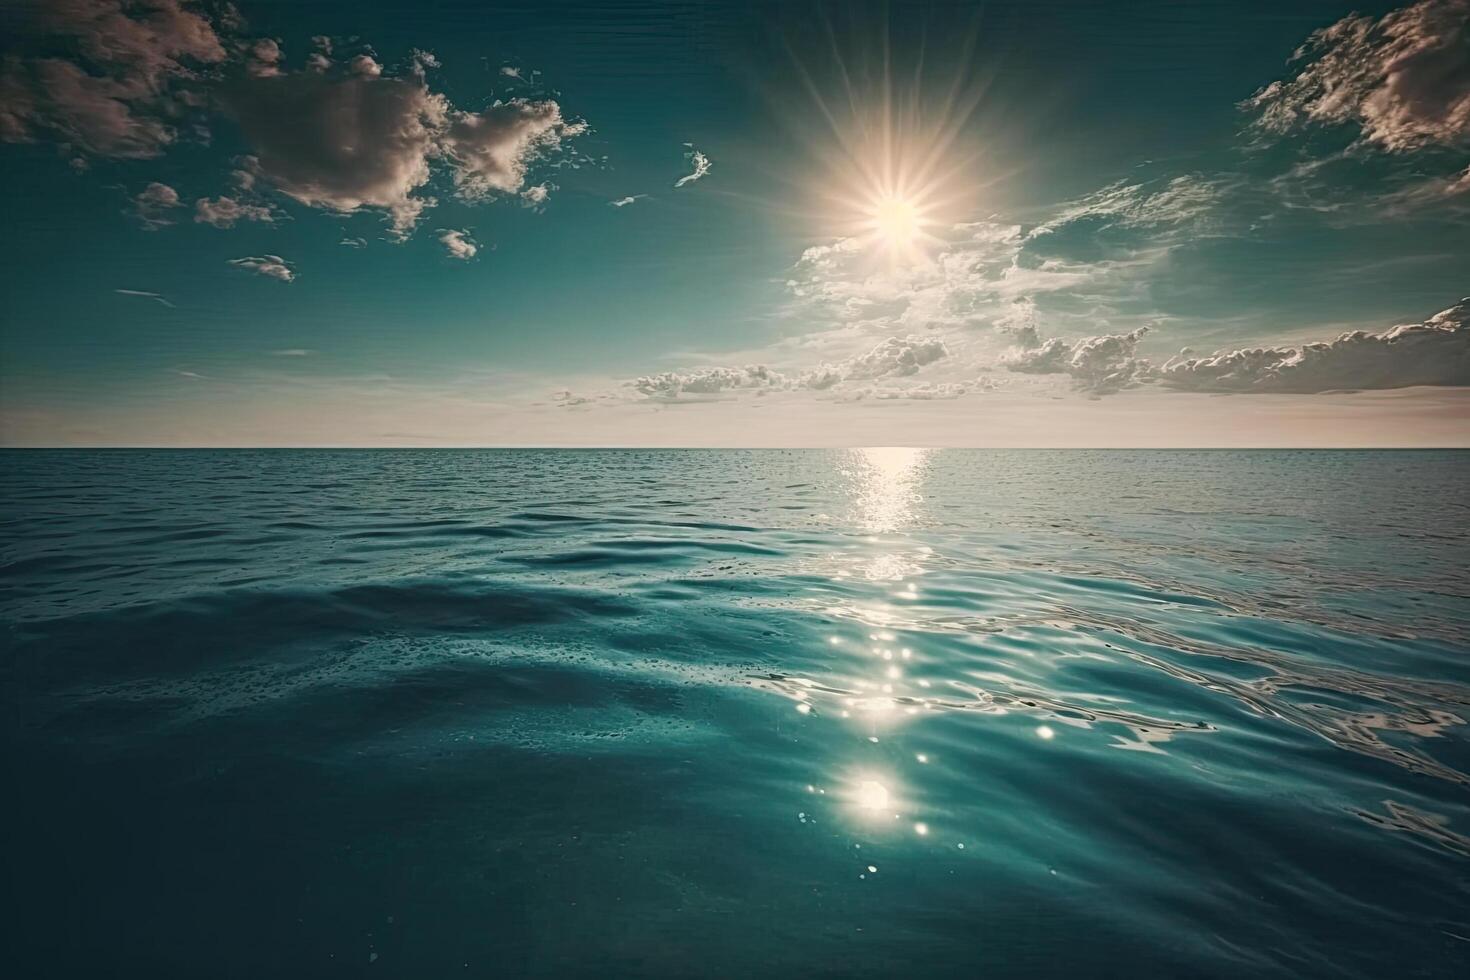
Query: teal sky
(919, 223)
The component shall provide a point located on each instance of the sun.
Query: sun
(896, 222)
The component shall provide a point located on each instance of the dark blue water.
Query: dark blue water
(866, 713)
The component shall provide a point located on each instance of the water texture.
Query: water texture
(881, 712)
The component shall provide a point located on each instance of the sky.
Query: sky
(1055, 223)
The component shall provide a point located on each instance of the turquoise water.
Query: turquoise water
(859, 713)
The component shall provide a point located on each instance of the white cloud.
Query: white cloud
(537, 194)
(1434, 352)
(223, 212)
(707, 381)
(700, 162)
(267, 265)
(1403, 79)
(623, 202)
(1097, 365)
(354, 242)
(895, 357)
(129, 82)
(458, 244)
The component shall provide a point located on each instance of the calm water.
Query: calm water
(865, 713)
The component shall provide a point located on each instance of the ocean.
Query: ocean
(861, 713)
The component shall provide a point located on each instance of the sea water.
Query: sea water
(878, 712)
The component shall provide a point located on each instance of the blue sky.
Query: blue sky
(385, 224)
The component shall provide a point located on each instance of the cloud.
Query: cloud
(265, 57)
(896, 357)
(343, 143)
(223, 212)
(293, 352)
(144, 294)
(1403, 79)
(707, 381)
(343, 138)
(509, 71)
(1433, 352)
(536, 195)
(371, 140)
(701, 167)
(458, 244)
(623, 202)
(1098, 365)
(151, 204)
(490, 151)
(124, 79)
(365, 65)
(354, 242)
(267, 265)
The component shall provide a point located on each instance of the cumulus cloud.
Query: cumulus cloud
(707, 381)
(895, 357)
(267, 265)
(152, 203)
(343, 143)
(343, 138)
(365, 65)
(490, 151)
(1433, 352)
(223, 212)
(700, 162)
(125, 75)
(537, 194)
(1403, 79)
(1098, 365)
(458, 244)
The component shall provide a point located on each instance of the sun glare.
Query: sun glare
(896, 222)
(895, 147)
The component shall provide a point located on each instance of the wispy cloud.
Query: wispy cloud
(144, 294)
(701, 165)
(267, 265)
(623, 202)
(293, 352)
(223, 212)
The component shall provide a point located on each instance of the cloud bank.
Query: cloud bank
(1434, 352)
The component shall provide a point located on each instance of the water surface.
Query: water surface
(860, 713)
